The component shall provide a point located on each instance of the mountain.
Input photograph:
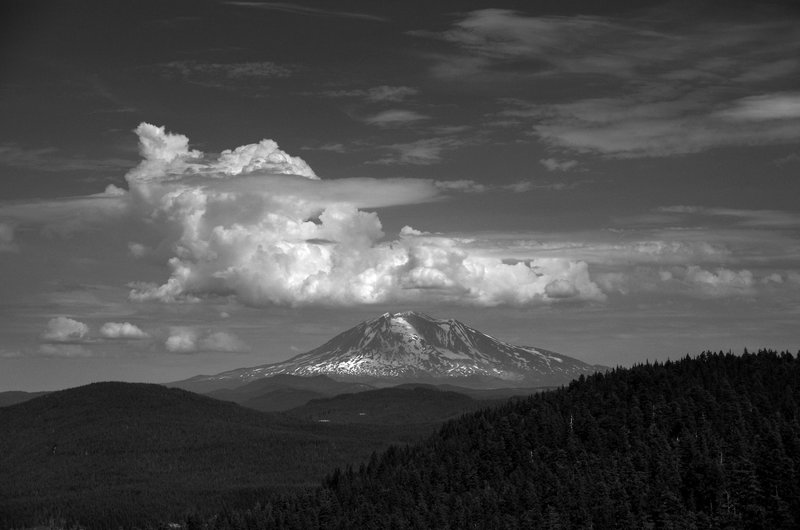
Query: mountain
(126, 454)
(413, 347)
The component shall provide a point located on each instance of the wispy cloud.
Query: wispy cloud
(395, 118)
(656, 88)
(298, 9)
(52, 159)
(251, 77)
(333, 147)
(553, 164)
(7, 243)
(627, 127)
(775, 219)
(421, 152)
(377, 94)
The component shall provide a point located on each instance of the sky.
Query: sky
(188, 187)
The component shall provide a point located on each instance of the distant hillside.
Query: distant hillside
(398, 406)
(283, 392)
(123, 454)
(711, 442)
(16, 396)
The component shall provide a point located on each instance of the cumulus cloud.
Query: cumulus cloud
(719, 282)
(190, 340)
(561, 288)
(262, 226)
(122, 330)
(65, 329)
(181, 340)
(224, 342)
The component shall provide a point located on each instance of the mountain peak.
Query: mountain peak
(412, 346)
(405, 314)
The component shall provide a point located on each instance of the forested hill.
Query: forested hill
(132, 455)
(708, 442)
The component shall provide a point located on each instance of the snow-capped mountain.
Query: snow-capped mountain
(412, 346)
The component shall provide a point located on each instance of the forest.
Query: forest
(132, 455)
(706, 442)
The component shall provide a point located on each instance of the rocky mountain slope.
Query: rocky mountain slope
(411, 346)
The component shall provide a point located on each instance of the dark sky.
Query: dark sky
(189, 187)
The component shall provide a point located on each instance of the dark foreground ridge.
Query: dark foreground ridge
(710, 442)
(110, 455)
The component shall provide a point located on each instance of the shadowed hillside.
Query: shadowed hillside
(398, 406)
(121, 453)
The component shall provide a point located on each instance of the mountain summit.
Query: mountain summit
(412, 346)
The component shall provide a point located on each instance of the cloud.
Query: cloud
(463, 186)
(234, 227)
(181, 340)
(10, 354)
(378, 94)
(775, 219)
(395, 117)
(189, 340)
(656, 89)
(262, 69)
(488, 39)
(423, 152)
(249, 78)
(65, 329)
(694, 281)
(642, 127)
(122, 330)
(54, 160)
(297, 9)
(553, 164)
(7, 243)
(64, 350)
(720, 282)
(782, 106)
(223, 342)
(332, 147)
(68, 215)
(561, 288)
